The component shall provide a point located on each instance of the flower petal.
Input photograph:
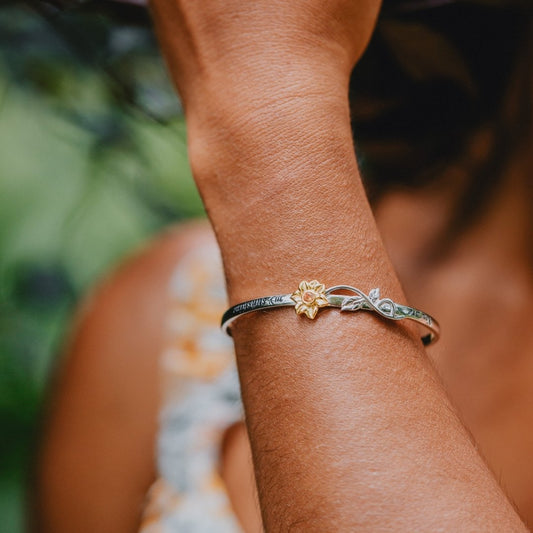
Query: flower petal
(311, 312)
(296, 297)
(321, 301)
(321, 288)
(300, 308)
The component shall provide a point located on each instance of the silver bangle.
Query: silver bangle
(312, 296)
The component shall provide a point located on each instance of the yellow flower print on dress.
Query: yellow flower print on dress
(310, 296)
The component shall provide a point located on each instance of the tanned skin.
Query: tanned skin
(350, 427)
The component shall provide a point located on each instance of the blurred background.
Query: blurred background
(92, 163)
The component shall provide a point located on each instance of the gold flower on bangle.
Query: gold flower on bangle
(310, 296)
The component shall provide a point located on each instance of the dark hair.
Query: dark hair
(430, 80)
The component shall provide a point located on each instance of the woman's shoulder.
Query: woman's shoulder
(156, 260)
(137, 288)
(107, 395)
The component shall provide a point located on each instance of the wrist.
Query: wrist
(277, 187)
(243, 85)
(272, 167)
(266, 129)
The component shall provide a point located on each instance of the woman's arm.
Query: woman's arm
(349, 425)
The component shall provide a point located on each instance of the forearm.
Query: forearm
(350, 428)
(348, 423)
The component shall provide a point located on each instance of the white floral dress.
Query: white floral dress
(201, 400)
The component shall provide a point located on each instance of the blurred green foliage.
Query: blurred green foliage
(92, 162)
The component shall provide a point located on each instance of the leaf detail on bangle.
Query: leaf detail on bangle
(384, 306)
(310, 296)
